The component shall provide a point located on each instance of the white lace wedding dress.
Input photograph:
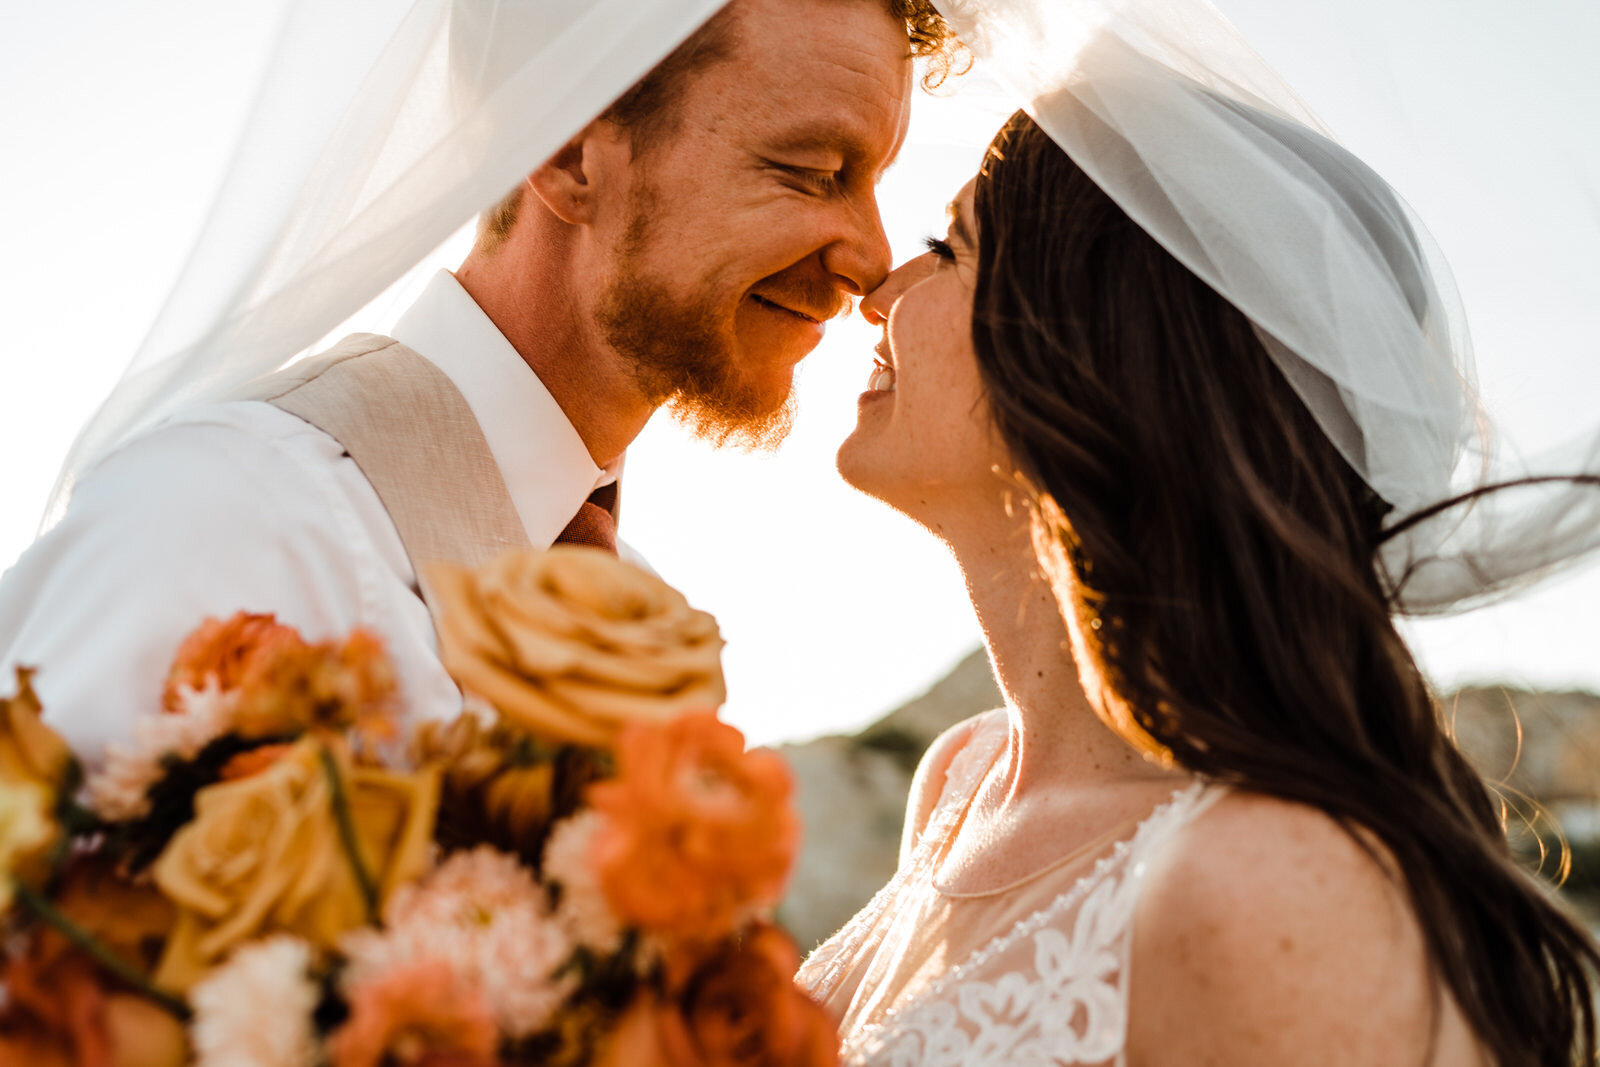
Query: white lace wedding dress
(1033, 974)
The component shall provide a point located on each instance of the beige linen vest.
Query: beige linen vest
(410, 431)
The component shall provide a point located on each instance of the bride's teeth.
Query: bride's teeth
(882, 380)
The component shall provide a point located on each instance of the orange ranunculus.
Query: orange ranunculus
(218, 654)
(30, 752)
(60, 1012)
(698, 832)
(739, 1008)
(55, 1006)
(422, 1013)
(280, 684)
(265, 853)
(331, 685)
(61, 1009)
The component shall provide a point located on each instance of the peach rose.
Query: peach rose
(264, 853)
(572, 643)
(30, 752)
(740, 1008)
(698, 833)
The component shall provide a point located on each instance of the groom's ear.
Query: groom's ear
(570, 182)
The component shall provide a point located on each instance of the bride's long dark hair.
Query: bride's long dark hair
(1221, 556)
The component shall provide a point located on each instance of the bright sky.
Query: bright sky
(116, 119)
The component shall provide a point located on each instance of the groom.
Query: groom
(684, 249)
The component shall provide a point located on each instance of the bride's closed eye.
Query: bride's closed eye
(939, 247)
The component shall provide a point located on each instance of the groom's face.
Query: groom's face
(753, 218)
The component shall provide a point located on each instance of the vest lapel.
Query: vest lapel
(410, 431)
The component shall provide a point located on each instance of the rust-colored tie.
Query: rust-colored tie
(595, 524)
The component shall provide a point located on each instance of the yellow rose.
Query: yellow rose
(30, 751)
(572, 643)
(25, 834)
(264, 853)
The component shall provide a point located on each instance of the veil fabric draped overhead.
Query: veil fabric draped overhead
(1167, 107)
(380, 128)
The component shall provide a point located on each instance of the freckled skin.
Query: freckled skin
(1265, 936)
(766, 184)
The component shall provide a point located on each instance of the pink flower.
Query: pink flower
(423, 1011)
(118, 790)
(483, 914)
(583, 912)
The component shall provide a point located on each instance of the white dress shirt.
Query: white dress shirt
(242, 506)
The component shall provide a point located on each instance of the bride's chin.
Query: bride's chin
(847, 460)
(854, 462)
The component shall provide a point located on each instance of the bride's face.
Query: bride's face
(923, 441)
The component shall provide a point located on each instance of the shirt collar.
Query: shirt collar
(547, 468)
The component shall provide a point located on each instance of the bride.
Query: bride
(1218, 820)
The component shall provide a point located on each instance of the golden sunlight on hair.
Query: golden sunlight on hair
(1051, 534)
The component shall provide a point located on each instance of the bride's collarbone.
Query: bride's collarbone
(1005, 841)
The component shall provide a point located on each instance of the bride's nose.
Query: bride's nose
(876, 305)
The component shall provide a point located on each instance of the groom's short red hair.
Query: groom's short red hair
(647, 109)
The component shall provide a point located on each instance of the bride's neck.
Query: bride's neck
(1056, 734)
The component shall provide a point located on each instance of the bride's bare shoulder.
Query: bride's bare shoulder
(1267, 934)
(929, 781)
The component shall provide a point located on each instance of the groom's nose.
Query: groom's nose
(859, 260)
(876, 305)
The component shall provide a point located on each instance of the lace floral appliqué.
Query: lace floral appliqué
(1040, 995)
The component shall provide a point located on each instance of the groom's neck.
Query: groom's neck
(527, 292)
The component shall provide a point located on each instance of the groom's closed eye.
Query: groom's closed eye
(811, 179)
(939, 247)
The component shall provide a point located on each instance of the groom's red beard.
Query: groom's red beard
(683, 356)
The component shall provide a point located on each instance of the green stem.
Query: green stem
(347, 834)
(102, 955)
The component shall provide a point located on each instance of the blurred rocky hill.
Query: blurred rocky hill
(1543, 747)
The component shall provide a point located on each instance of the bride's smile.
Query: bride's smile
(924, 441)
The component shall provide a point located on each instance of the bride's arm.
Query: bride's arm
(1266, 935)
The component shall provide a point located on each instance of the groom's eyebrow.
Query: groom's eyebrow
(829, 135)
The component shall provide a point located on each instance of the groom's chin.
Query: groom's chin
(748, 422)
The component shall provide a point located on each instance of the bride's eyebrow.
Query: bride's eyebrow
(958, 225)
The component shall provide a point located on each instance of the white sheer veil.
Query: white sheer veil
(381, 127)
(1173, 114)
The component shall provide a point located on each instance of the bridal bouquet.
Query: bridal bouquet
(580, 869)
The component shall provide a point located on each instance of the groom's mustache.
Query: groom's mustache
(810, 297)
